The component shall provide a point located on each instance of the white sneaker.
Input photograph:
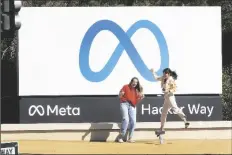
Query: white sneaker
(161, 139)
(131, 141)
(120, 140)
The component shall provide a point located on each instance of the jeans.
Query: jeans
(128, 119)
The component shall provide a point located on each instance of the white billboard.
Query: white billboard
(96, 50)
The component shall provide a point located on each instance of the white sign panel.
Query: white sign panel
(9, 148)
(96, 50)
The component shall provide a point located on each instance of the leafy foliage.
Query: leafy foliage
(227, 92)
(8, 48)
(8, 45)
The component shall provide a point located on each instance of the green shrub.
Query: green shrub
(227, 92)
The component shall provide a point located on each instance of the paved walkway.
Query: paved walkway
(146, 147)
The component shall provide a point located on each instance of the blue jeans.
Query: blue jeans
(128, 119)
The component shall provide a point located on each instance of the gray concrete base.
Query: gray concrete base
(109, 131)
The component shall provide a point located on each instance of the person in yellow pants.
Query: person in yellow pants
(168, 86)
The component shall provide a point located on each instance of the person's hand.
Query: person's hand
(141, 96)
(152, 70)
(121, 93)
(155, 75)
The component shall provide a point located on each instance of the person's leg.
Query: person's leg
(132, 118)
(166, 107)
(124, 107)
(177, 110)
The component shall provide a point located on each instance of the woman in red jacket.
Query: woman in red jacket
(129, 95)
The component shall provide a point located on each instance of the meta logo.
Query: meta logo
(124, 44)
(56, 110)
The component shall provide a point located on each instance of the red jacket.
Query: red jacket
(130, 95)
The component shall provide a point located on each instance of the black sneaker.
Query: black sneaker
(159, 132)
(187, 125)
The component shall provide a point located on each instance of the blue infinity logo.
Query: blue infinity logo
(124, 44)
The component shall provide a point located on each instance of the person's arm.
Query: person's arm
(122, 92)
(158, 78)
(140, 94)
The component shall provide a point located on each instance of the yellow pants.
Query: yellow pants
(170, 103)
